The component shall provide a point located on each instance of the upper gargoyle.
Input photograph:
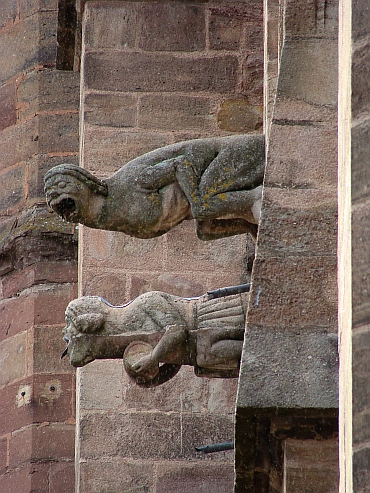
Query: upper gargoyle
(217, 181)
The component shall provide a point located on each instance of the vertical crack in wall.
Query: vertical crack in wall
(66, 34)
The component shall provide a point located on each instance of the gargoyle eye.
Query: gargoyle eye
(62, 184)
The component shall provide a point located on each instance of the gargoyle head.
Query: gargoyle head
(68, 190)
(84, 317)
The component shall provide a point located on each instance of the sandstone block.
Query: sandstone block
(8, 13)
(359, 161)
(13, 363)
(252, 77)
(109, 148)
(8, 112)
(361, 473)
(195, 478)
(360, 81)
(48, 90)
(58, 133)
(225, 29)
(361, 266)
(309, 71)
(293, 291)
(121, 19)
(117, 475)
(28, 43)
(206, 429)
(111, 110)
(18, 142)
(101, 397)
(361, 394)
(14, 193)
(62, 477)
(306, 165)
(360, 20)
(177, 113)
(16, 315)
(290, 370)
(172, 27)
(48, 345)
(311, 462)
(145, 72)
(42, 442)
(125, 435)
(30, 7)
(298, 222)
(53, 397)
(310, 18)
(16, 409)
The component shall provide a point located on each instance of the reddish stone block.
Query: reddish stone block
(16, 408)
(195, 478)
(50, 304)
(16, 315)
(42, 442)
(8, 112)
(173, 113)
(14, 358)
(14, 193)
(309, 18)
(29, 43)
(361, 392)
(62, 477)
(48, 345)
(152, 72)
(53, 397)
(111, 287)
(48, 90)
(172, 27)
(58, 133)
(18, 142)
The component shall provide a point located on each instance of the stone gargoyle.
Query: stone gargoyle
(157, 333)
(217, 181)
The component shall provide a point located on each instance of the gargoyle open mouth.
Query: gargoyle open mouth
(65, 207)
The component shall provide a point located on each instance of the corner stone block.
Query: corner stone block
(361, 265)
(8, 12)
(62, 477)
(288, 370)
(16, 409)
(53, 397)
(8, 111)
(13, 362)
(28, 43)
(15, 190)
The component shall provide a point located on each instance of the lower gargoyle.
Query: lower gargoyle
(157, 333)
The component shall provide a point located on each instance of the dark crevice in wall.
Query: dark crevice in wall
(66, 35)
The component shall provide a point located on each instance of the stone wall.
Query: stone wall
(38, 129)
(161, 73)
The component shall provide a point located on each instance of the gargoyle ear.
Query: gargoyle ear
(89, 322)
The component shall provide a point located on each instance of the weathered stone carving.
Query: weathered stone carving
(217, 181)
(157, 333)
